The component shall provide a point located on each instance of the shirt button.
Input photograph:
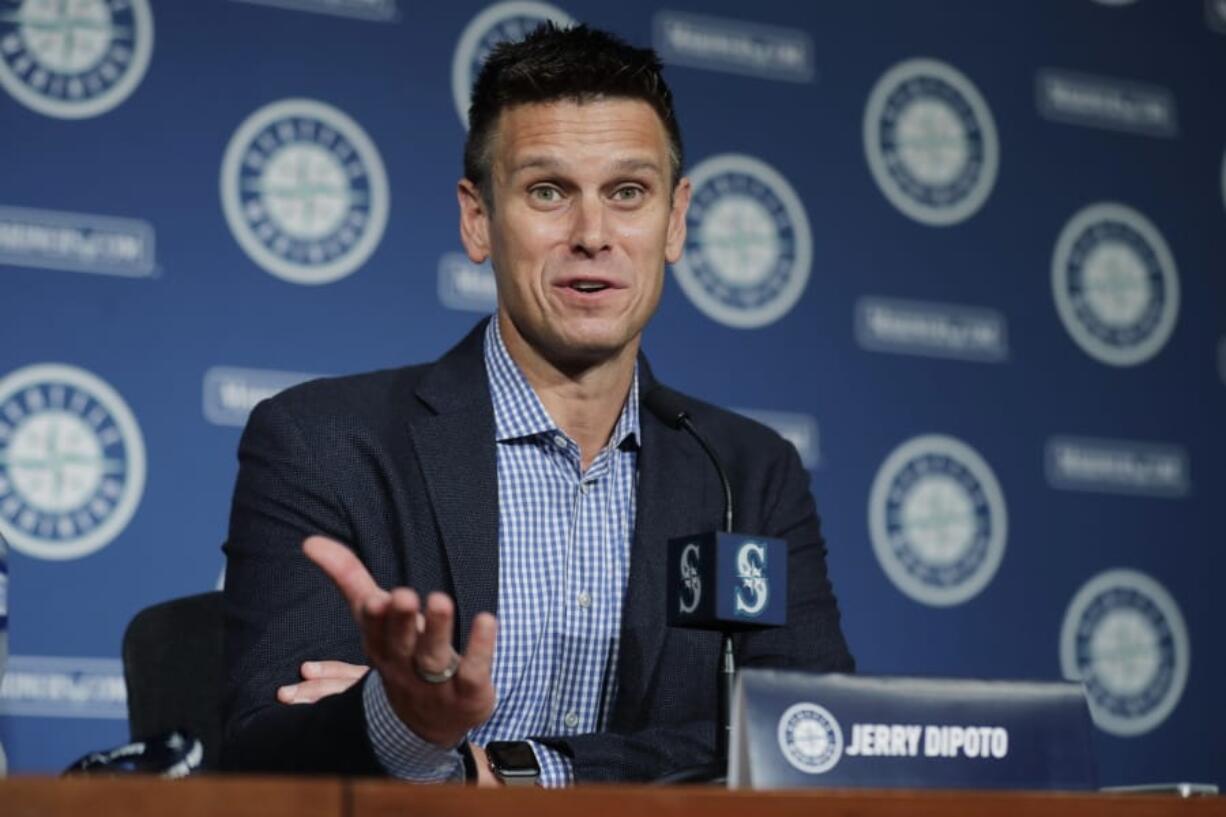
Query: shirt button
(586, 487)
(571, 720)
(585, 600)
(559, 441)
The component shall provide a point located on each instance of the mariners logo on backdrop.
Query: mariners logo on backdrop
(1215, 15)
(691, 579)
(937, 520)
(1125, 640)
(74, 60)
(754, 588)
(810, 738)
(1115, 284)
(931, 142)
(748, 246)
(72, 462)
(304, 191)
(501, 22)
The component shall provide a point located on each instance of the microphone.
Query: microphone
(668, 407)
(719, 581)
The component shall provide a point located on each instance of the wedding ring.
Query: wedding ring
(438, 677)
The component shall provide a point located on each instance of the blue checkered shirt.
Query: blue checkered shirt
(563, 557)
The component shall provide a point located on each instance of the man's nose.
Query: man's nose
(588, 230)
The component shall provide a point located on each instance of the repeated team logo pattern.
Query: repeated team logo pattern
(501, 22)
(72, 461)
(931, 142)
(1115, 284)
(73, 60)
(304, 191)
(1125, 640)
(937, 520)
(810, 738)
(748, 246)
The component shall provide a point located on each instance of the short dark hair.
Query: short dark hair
(576, 63)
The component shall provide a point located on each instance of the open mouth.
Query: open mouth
(588, 286)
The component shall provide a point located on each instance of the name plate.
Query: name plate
(804, 730)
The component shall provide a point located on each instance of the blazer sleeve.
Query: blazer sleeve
(813, 640)
(281, 610)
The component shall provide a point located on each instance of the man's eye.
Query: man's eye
(629, 193)
(544, 194)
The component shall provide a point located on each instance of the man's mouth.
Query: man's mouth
(588, 286)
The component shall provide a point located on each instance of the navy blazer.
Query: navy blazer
(400, 465)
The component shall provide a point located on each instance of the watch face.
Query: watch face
(512, 757)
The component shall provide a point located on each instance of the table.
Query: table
(239, 796)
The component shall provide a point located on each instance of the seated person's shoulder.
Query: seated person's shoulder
(370, 398)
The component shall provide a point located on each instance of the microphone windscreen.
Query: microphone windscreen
(666, 405)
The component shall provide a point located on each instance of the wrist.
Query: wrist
(444, 738)
(484, 776)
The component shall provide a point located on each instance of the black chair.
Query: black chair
(173, 664)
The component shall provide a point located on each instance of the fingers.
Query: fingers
(401, 625)
(321, 679)
(345, 570)
(404, 639)
(477, 664)
(308, 692)
(434, 652)
(312, 670)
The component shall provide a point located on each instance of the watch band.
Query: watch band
(470, 763)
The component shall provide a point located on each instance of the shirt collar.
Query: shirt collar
(518, 411)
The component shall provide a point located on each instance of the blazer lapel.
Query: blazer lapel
(674, 490)
(455, 446)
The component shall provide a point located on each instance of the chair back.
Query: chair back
(173, 664)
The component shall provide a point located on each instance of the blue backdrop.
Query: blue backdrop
(967, 256)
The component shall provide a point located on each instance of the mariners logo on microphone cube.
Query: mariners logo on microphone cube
(727, 581)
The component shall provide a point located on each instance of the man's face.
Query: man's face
(581, 225)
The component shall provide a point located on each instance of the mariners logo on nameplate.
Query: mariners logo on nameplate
(931, 142)
(72, 461)
(74, 60)
(754, 589)
(1124, 638)
(691, 579)
(748, 246)
(937, 520)
(501, 22)
(810, 738)
(304, 191)
(1115, 284)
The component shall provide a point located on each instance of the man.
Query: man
(516, 475)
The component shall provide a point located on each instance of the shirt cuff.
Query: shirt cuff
(400, 752)
(556, 770)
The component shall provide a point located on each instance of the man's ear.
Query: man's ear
(674, 241)
(474, 221)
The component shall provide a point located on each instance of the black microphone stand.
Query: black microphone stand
(714, 773)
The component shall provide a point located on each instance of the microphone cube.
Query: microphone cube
(727, 581)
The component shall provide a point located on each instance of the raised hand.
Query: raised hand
(438, 694)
